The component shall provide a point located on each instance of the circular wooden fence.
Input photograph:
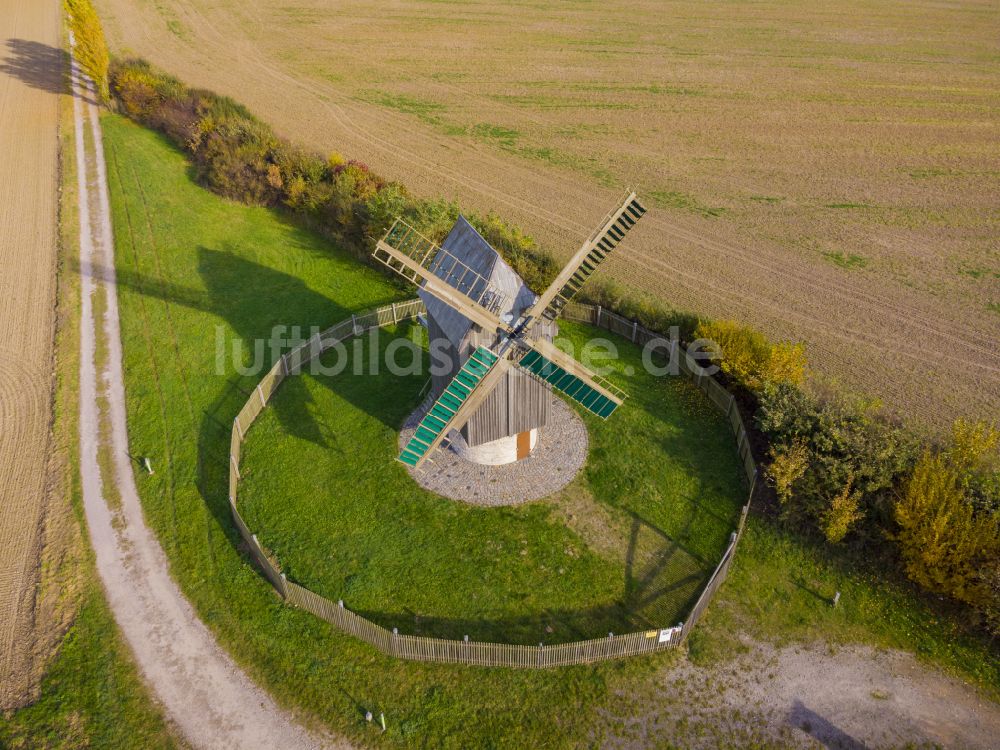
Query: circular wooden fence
(475, 652)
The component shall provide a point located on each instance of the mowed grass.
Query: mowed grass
(192, 267)
(189, 262)
(663, 473)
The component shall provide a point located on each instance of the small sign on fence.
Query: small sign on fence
(666, 634)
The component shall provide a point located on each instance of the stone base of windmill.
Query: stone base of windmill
(558, 452)
(496, 452)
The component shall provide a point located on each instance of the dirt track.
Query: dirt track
(863, 134)
(30, 78)
(211, 701)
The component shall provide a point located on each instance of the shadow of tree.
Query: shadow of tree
(251, 300)
(40, 66)
(821, 729)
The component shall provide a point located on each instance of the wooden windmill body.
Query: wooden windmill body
(499, 333)
(504, 428)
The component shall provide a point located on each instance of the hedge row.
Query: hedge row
(839, 469)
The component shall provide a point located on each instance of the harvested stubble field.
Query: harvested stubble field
(828, 174)
(30, 78)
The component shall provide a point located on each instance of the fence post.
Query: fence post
(597, 317)
(635, 329)
(394, 321)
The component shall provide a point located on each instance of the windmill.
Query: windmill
(514, 332)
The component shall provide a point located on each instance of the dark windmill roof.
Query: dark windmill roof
(467, 245)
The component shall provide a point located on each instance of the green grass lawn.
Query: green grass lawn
(663, 480)
(193, 267)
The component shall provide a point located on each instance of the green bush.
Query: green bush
(848, 458)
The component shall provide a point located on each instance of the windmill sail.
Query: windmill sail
(565, 374)
(593, 252)
(417, 259)
(455, 405)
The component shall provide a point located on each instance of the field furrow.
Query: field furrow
(829, 175)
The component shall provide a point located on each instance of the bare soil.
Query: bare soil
(827, 174)
(30, 81)
(850, 698)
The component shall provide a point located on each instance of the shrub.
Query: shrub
(788, 465)
(91, 51)
(841, 513)
(536, 267)
(749, 358)
(974, 449)
(820, 445)
(946, 547)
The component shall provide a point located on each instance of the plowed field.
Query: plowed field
(30, 77)
(830, 174)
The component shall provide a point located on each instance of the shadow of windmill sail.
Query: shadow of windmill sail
(249, 300)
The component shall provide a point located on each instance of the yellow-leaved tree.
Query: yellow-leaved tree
(945, 544)
(842, 513)
(787, 467)
(750, 358)
(90, 49)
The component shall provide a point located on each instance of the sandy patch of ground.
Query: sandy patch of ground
(826, 174)
(850, 697)
(30, 79)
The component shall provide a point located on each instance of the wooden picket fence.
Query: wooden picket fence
(421, 648)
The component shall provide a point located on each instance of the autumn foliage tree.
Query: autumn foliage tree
(749, 358)
(90, 49)
(948, 545)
